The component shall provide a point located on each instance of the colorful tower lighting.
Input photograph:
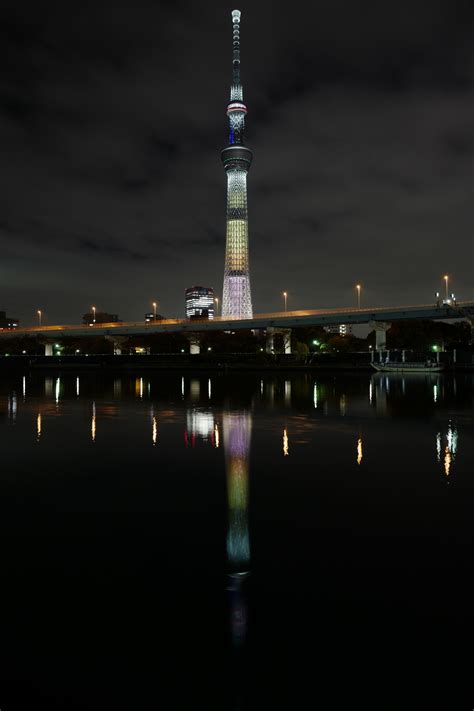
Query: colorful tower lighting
(236, 158)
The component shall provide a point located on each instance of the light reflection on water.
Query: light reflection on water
(389, 397)
(293, 432)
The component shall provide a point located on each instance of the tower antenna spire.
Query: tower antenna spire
(236, 46)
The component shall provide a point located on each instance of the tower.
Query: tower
(236, 158)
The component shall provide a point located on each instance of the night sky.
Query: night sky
(112, 119)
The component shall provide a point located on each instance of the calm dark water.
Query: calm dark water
(236, 542)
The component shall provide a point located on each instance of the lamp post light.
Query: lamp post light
(358, 287)
(446, 281)
(93, 312)
(154, 310)
(285, 296)
(39, 312)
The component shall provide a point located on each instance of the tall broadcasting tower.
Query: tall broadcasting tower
(236, 299)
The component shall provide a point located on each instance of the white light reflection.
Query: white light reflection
(77, 387)
(371, 393)
(286, 448)
(38, 427)
(435, 393)
(342, 405)
(57, 389)
(24, 388)
(452, 437)
(315, 396)
(195, 389)
(209, 388)
(182, 387)
(449, 451)
(154, 430)
(117, 388)
(200, 423)
(12, 407)
(217, 439)
(359, 451)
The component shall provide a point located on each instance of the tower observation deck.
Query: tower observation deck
(236, 158)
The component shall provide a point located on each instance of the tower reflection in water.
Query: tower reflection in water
(237, 428)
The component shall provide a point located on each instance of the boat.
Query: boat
(408, 367)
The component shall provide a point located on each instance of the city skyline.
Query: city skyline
(105, 126)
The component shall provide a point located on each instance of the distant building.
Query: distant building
(151, 317)
(100, 317)
(339, 329)
(199, 302)
(8, 322)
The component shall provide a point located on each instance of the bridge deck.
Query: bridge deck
(289, 319)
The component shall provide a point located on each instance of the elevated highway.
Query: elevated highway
(379, 318)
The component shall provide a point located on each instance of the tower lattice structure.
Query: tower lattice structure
(236, 158)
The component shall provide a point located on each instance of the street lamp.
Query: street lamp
(39, 316)
(154, 310)
(358, 287)
(446, 280)
(285, 296)
(93, 311)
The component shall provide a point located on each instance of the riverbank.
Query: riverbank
(358, 362)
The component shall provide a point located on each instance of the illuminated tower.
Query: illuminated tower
(236, 158)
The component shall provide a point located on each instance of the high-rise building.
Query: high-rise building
(199, 302)
(236, 158)
(341, 329)
(8, 323)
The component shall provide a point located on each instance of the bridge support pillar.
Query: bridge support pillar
(269, 342)
(118, 342)
(470, 321)
(194, 345)
(48, 347)
(287, 340)
(380, 328)
(270, 339)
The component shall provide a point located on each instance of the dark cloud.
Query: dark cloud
(112, 120)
